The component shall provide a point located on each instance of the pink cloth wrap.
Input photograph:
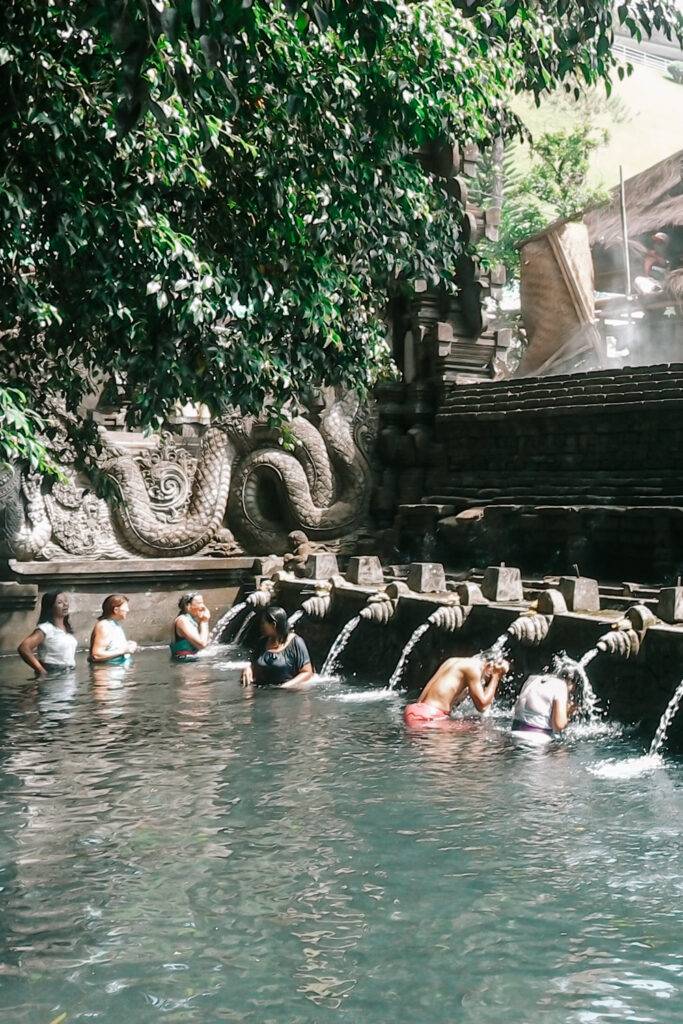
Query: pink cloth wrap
(421, 714)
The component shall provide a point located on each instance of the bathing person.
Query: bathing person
(190, 628)
(108, 644)
(455, 680)
(51, 647)
(281, 658)
(544, 705)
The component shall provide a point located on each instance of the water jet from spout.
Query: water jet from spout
(665, 721)
(405, 654)
(338, 646)
(224, 622)
(244, 627)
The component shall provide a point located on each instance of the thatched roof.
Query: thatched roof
(654, 202)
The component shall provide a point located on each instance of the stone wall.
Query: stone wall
(153, 593)
(551, 471)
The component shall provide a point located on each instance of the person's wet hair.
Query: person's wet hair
(566, 670)
(47, 608)
(185, 602)
(277, 617)
(111, 603)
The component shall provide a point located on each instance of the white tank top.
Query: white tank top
(535, 703)
(58, 649)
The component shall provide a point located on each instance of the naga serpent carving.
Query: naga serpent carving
(141, 525)
(172, 503)
(322, 486)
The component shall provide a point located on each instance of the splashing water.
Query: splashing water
(588, 657)
(497, 649)
(294, 618)
(364, 696)
(589, 705)
(244, 627)
(629, 769)
(666, 720)
(224, 621)
(338, 646)
(405, 654)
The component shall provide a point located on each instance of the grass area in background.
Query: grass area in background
(644, 117)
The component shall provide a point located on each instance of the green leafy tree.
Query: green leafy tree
(553, 187)
(210, 199)
(20, 431)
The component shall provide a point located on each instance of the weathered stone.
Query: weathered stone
(397, 588)
(581, 593)
(320, 566)
(180, 495)
(670, 604)
(427, 577)
(551, 602)
(502, 583)
(365, 571)
(470, 593)
(640, 617)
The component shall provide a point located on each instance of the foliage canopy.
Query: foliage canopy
(554, 186)
(208, 199)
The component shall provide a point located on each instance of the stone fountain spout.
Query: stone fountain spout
(318, 606)
(449, 618)
(530, 629)
(626, 636)
(380, 609)
(622, 642)
(262, 597)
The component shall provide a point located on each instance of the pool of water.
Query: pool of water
(174, 849)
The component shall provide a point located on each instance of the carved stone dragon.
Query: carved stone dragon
(171, 503)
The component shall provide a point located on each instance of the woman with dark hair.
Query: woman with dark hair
(281, 658)
(51, 647)
(190, 628)
(108, 644)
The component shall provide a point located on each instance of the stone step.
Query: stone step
(594, 379)
(565, 500)
(613, 396)
(585, 407)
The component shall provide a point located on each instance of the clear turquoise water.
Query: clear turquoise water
(175, 850)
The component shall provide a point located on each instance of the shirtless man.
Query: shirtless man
(455, 680)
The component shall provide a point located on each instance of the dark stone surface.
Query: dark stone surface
(581, 593)
(365, 570)
(427, 577)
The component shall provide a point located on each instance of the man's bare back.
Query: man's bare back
(450, 684)
(453, 681)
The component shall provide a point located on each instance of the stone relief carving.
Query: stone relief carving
(239, 491)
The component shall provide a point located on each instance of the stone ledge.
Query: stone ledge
(17, 595)
(82, 571)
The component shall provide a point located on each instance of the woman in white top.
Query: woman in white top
(544, 704)
(51, 647)
(108, 644)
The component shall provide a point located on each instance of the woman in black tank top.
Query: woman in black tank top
(281, 658)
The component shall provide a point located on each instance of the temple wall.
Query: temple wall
(547, 472)
(153, 594)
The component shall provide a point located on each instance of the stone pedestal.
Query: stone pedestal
(470, 593)
(581, 593)
(551, 602)
(502, 583)
(427, 578)
(365, 571)
(320, 566)
(670, 605)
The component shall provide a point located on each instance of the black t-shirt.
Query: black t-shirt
(272, 668)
